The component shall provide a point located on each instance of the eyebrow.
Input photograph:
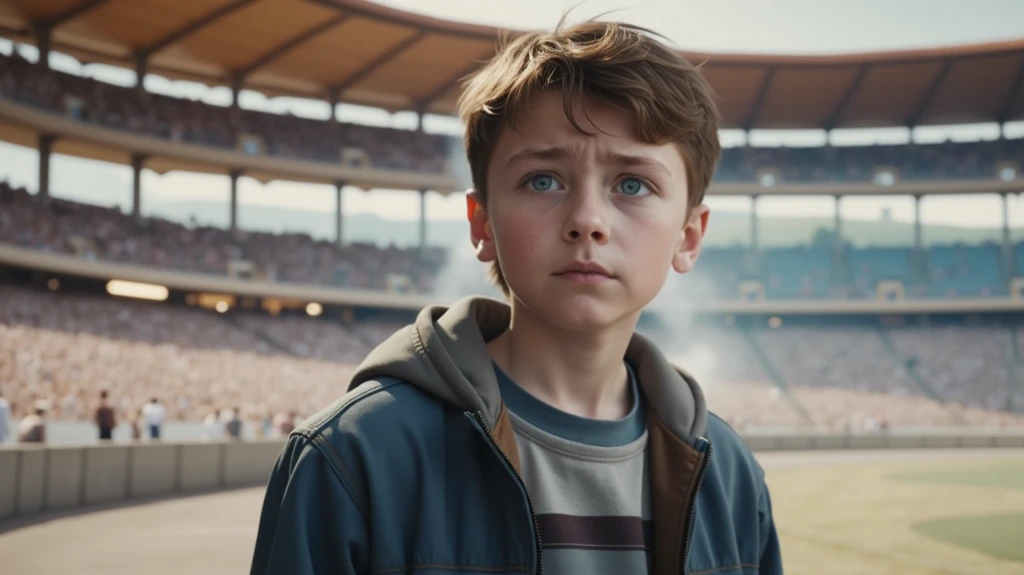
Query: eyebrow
(559, 152)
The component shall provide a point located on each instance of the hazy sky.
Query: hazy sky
(779, 26)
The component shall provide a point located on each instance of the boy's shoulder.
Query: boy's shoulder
(375, 406)
(731, 453)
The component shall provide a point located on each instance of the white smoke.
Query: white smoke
(677, 330)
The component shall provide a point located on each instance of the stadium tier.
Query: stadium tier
(63, 348)
(98, 233)
(194, 122)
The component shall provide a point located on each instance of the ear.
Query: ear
(479, 228)
(690, 239)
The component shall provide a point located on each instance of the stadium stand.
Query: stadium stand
(95, 232)
(787, 273)
(63, 348)
(797, 272)
(910, 162)
(188, 121)
(966, 271)
(89, 100)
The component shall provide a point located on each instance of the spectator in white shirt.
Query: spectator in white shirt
(155, 414)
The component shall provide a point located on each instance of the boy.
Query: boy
(542, 436)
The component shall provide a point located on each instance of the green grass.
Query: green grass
(1000, 536)
(938, 517)
(1009, 476)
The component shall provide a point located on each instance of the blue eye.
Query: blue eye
(542, 183)
(633, 187)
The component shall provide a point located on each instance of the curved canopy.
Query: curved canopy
(361, 52)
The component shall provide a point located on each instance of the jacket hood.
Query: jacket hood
(444, 353)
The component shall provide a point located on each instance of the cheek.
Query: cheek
(518, 238)
(651, 242)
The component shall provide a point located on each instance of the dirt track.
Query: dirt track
(213, 534)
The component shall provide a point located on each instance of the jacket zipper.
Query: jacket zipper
(703, 446)
(529, 502)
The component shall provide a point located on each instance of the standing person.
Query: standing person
(543, 435)
(105, 418)
(5, 417)
(233, 426)
(155, 414)
(213, 427)
(133, 424)
(33, 427)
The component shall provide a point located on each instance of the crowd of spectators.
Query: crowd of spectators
(191, 121)
(970, 365)
(59, 350)
(195, 122)
(846, 357)
(102, 233)
(844, 379)
(910, 162)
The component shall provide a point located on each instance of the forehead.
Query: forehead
(543, 122)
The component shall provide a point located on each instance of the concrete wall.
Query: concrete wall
(34, 479)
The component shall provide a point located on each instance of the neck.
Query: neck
(581, 373)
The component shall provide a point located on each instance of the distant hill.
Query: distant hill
(724, 229)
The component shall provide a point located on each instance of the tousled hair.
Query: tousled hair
(621, 65)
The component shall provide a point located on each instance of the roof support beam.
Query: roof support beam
(448, 84)
(1003, 113)
(844, 102)
(43, 29)
(929, 95)
(73, 12)
(192, 27)
(282, 49)
(377, 62)
(762, 94)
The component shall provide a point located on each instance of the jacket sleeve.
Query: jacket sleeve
(309, 523)
(771, 555)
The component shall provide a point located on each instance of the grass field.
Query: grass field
(948, 513)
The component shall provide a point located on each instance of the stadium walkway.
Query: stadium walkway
(213, 534)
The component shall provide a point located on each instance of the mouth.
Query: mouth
(588, 273)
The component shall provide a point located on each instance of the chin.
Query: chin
(578, 312)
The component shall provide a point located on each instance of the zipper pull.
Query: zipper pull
(701, 444)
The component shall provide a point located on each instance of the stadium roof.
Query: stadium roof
(370, 54)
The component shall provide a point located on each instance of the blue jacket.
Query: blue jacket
(415, 469)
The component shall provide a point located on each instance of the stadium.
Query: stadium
(881, 360)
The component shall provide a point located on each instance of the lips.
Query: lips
(584, 272)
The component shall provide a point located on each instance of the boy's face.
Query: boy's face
(585, 226)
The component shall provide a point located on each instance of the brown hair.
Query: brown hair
(616, 64)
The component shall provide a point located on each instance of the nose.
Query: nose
(587, 218)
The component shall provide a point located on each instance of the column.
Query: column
(236, 87)
(753, 224)
(234, 200)
(918, 244)
(1009, 262)
(141, 64)
(333, 97)
(839, 227)
(338, 214)
(45, 149)
(138, 160)
(44, 35)
(919, 271)
(423, 218)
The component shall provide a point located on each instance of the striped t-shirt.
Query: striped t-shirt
(588, 480)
